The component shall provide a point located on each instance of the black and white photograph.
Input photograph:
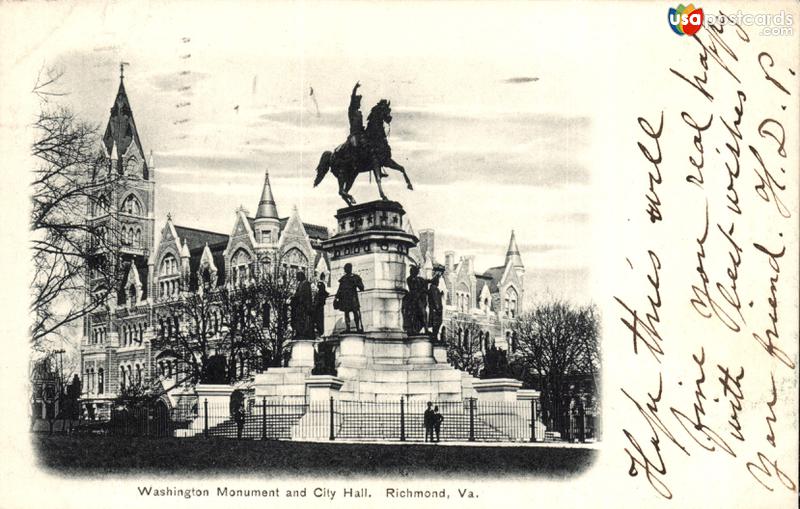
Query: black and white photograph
(386, 253)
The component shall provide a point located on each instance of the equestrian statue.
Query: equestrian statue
(366, 149)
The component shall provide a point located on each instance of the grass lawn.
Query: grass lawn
(90, 455)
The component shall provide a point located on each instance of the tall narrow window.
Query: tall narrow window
(101, 381)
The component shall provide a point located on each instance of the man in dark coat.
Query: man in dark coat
(429, 421)
(438, 419)
(319, 305)
(301, 308)
(347, 297)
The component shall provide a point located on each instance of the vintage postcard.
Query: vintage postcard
(368, 254)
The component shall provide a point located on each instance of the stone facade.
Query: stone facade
(116, 348)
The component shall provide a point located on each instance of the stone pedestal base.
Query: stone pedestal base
(302, 354)
(440, 353)
(282, 385)
(420, 350)
(323, 387)
(497, 389)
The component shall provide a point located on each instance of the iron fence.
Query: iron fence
(395, 420)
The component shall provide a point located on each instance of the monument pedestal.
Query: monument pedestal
(497, 389)
(382, 363)
(302, 353)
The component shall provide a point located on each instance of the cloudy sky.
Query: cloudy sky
(490, 120)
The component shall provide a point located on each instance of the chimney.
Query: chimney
(449, 257)
(426, 238)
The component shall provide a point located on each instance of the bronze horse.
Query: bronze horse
(366, 150)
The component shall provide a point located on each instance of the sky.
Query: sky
(495, 136)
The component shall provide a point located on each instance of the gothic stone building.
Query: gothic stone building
(116, 345)
(158, 265)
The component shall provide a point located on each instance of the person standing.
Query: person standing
(438, 419)
(428, 420)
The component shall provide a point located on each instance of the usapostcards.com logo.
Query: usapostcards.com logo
(685, 20)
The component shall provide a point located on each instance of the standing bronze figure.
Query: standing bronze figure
(319, 305)
(415, 303)
(301, 309)
(435, 307)
(366, 149)
(346, 299)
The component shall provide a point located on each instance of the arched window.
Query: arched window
(294, 260)
(132, 295)
(132, 205)
(169, 266)
(511, 302)
(122, 377)
(138, 374)
(240, 264)
(101, 381)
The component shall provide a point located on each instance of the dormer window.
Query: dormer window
(266, 236)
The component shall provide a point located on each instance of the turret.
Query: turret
(513, 257)
(267, 224)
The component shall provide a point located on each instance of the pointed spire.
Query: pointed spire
(512, 255)
(121, 128)
(266, 205)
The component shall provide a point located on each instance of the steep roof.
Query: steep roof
(197, 238)
(314, 231)
(513, 257)
(266, 205)
(493, 276)
(121, 128)
(482, 280)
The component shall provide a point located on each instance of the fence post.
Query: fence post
(471, 419)
(402, 419)
(263, 418)
(331, 436)
(205, 417)
(533, 420)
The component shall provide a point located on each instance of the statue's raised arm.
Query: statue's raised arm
(354, 115)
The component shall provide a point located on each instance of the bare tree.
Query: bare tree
(558, 345)
(214, 331)
(464, 339)
(271, 329)
(70, 179)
